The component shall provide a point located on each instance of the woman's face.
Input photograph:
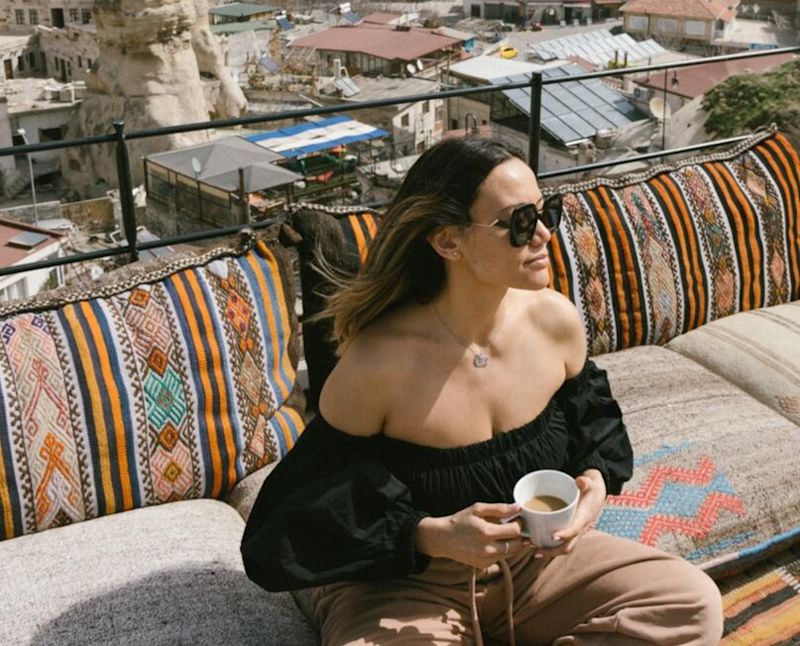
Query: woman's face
(487, 250)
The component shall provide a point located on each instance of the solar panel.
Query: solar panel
(268, 64)
(27, 239)
(346, 86)
(351, 16)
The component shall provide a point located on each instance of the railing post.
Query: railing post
(126, 190)
(535, 121)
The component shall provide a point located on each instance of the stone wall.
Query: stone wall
(92, 216)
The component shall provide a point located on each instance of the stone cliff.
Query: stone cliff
(158, 65)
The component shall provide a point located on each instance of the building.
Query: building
(373, 49)
(689, 25)
(599, 47)
(18, 54)
(684, 84)
(21, 244)
(326, 152)
(224, 182)
(240, 12)
(67, 53)
(25, 15)
(508, 11)
(414, 126)
(43, 109)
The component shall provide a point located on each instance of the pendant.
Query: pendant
(481, 360)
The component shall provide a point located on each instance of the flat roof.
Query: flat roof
(220, 161)
(486, 68)
(240, 10)
(573, 112)
(372, 87)
(381, 41)
(598, 47)
(316, 136)
(239, 27)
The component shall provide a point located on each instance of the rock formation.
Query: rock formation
(152, 54)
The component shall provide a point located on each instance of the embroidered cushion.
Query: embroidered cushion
(653, 255)
(715, 470)
(341, 237)
(168, 382)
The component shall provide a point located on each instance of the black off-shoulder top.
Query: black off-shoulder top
(340, 507)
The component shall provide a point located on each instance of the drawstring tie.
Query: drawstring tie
(508, 589)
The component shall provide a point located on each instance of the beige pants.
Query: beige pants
(607, 591)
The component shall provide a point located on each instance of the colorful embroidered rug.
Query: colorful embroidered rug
(762, 604)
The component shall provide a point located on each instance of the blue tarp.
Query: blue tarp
(321, 135)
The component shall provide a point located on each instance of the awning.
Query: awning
(315, 136)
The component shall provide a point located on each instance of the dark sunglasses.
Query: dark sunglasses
(522, 223)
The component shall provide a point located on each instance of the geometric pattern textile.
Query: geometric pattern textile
(170, 384)
(653, 255)
(762, 604)
(340, 238)
(715, 470)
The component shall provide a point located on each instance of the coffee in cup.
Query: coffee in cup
(548, 499)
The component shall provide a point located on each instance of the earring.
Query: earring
(456, 255)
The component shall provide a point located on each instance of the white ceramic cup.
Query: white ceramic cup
(541, 525)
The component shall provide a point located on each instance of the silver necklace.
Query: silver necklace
(480, 358)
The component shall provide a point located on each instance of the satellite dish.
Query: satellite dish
(419, 65)
(196, 166)
(659, 109)
(411, 69)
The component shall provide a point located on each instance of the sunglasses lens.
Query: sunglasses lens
(523, 224)
(551, 212)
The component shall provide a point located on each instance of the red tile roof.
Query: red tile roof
(381, 41)
(696, 81)
(701, 9)
(11, 255)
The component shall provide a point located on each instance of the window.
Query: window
(33, 14)
(19, 16)
(74, 15)
(88, 63)
(86, 16)
(80, 63)
(426, 107)
(404, 121)
(695, 28)
(637, 22)
(31, 60)
(667, 25)
(21, 63)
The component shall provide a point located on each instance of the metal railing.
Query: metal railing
(119, 137)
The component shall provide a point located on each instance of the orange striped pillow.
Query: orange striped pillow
(650, 256)
(168, 383)
(341, 235)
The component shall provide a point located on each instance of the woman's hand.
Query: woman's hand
(592, 489)
(474, 536)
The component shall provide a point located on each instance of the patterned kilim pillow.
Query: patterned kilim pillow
(341, 236)
(167, 382)
(650, 256)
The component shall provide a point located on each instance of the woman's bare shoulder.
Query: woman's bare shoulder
(558, 318)
(356, 396)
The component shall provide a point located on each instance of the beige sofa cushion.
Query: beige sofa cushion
(715, 471)
(759, 351)
(168, 574)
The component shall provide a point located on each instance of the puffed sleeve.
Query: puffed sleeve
(331, 511)
(597, 435)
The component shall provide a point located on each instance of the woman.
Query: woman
(460, 371)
